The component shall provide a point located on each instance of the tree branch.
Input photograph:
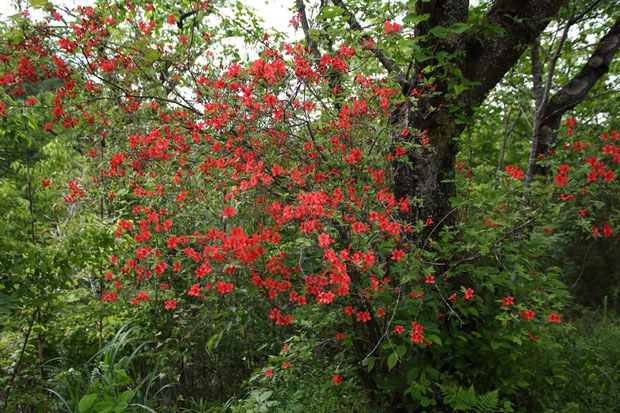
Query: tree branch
(541, 101)
(576, 90)
(314, 49)
(483, 57)
(185, 16)
(389, 64)
(489, 56)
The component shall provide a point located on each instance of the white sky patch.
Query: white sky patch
(275, 14)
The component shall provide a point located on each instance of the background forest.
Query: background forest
(388, 206)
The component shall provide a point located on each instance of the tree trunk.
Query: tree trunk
(431, 166)
(486, 59)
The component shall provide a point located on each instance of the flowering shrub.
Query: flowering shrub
(263, 194)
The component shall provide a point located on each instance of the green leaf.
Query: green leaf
(459, 88)
(412, 374)
(125, 396)
(331, 12)
(391, 361)
(401, 350)
(121, 377)
(152, 54)
(386, 246)
(371, 364)
(420, 56)
(459, 27)
(18, 36)
(87, 402)
(104, 407)
(439, 31)
(426, 401)
(416, 18)
(121, 407)
(434, 338)
(265, 395)
(32, 123)
(39, 3)
(473, 311)
(210, 342)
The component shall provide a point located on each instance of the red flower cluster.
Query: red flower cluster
(469, 293)
(224, 288)
(527, 315)
(111, 297)
(391, 27)
(598, 170)
(416, 335)
(607, 230)
(506, 301)
(515, 172)
(142, 296)
(562, 177)
(363, 316)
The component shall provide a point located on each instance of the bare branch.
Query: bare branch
(314, 49)
(185, 16)
(542, 101)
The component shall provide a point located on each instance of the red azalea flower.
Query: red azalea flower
(325, 240)
(469, 293)
(363, 316)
